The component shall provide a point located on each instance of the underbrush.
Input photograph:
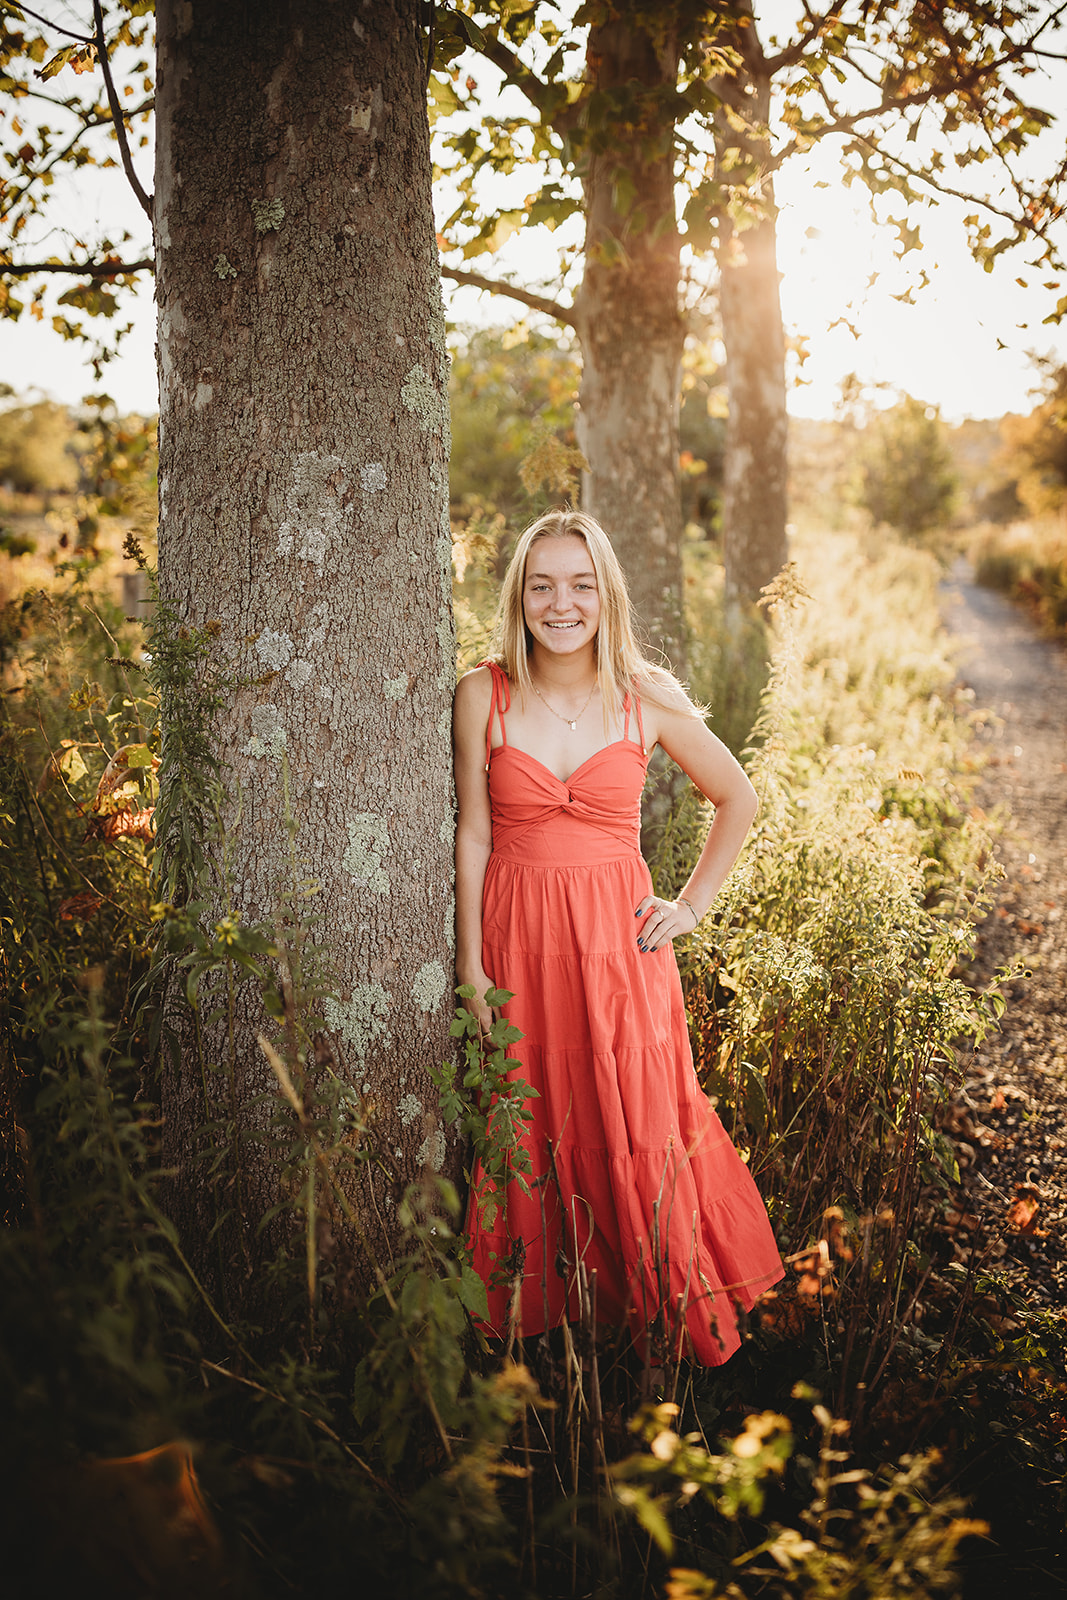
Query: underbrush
(368, 1436)
(1028, 561)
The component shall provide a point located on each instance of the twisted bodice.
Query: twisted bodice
(540, 819)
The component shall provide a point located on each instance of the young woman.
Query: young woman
(633, 1175)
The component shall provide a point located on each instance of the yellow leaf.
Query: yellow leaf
(506, 224)
(71, 764)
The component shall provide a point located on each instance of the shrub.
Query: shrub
(906, 475)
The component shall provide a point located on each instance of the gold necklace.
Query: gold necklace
(572, 723)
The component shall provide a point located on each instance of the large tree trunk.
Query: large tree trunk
(754, 478)
(303, 489)
(629, 318)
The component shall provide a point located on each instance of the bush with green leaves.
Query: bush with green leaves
(870, 1535)
(906, 476)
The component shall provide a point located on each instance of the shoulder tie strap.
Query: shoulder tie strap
(500, 702)
(640, 722)
(636, 698)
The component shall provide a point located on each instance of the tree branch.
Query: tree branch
(117, 115)
(539, 93)
(969, 198)
(36, 15)
(88, 269)
(851, 124)
(536, 302)
(795, 52)
(7, 206)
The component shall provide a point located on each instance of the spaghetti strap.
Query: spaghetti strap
(500, 702)
(640, 722)
(636, 698)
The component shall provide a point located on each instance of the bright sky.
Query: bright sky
(963, 344)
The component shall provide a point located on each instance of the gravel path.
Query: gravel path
(1010, 1120)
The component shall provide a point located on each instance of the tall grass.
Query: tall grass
(374, 1432)
(822, 988)
(1027, 560)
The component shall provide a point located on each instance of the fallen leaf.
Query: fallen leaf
(1022, 1213)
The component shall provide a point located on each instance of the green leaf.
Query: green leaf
(552, 207)
(443, 97)
(495, 236)
(649, 1514)
(472, 1294)
(138, 755)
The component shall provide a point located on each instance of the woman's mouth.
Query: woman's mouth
(563, 625)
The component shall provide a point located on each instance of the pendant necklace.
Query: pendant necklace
(572, 723)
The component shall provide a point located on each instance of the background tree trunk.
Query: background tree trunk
(755, 468)
(303, 489)
(629, 319)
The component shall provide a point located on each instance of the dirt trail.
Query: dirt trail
(1010, 1122)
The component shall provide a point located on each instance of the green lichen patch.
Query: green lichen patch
(368, 842)
(422, 397)
(409, 1108)
(268, 215)
(274, 649)
(361, 1019)
(269, 738)
(428, 986)
(433, 1149)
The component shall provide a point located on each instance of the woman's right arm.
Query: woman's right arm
(474, 831)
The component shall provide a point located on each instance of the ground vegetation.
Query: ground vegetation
(372, 1425)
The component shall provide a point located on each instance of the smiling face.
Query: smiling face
(560, 601)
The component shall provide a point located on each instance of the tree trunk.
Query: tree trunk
(630, 321)
(303, 501)
(754, 477)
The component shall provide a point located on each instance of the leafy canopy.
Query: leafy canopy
(58, 118)
(924, 100)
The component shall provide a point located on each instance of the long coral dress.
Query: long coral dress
(633, 1175)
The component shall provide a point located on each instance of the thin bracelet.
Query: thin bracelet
(682, 901)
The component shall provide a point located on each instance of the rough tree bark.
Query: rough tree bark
(755, 466)
(630, 322)
(303, 488)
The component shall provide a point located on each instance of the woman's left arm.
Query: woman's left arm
(706, 760)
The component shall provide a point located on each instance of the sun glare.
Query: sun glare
(926, 320)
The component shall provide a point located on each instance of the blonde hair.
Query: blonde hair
(621, 664)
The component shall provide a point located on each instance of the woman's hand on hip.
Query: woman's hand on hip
(665, 920)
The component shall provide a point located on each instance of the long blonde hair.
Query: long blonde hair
(621, 664)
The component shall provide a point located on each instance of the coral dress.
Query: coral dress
(633, 1174)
